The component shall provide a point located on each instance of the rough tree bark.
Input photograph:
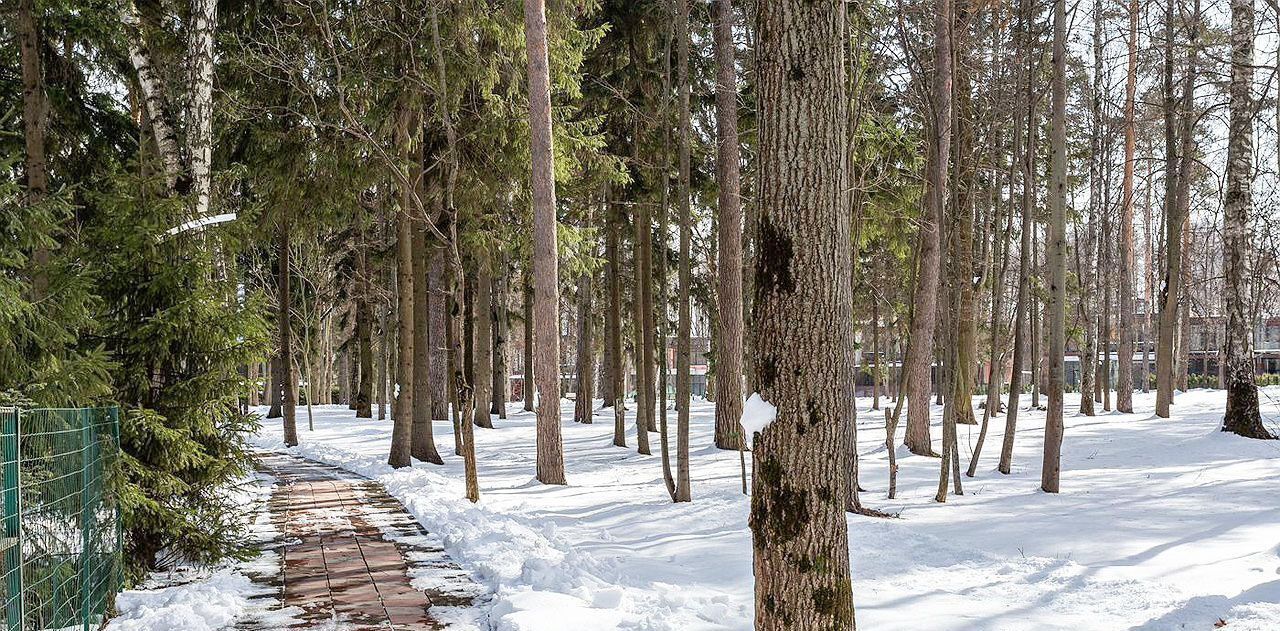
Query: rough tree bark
(364, 327)
(284, 318)
(422, 438)
(803, 339)
(437, 333)
(1242, 415)
(402, 413)
(34, 123)
(924, 312)
(728, 434)
(1177, 194)
(1124, 385)
(1057, 253)
(550, 466)
(200, 106)
(684, 310)
(482, 338)
(584, 364)
(613, 321)
(501, 324)
(527, 370)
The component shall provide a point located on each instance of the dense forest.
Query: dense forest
(804, 212)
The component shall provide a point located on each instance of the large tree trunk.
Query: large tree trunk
(34, 119)
(545, 277)
(423, 433)
(1124, 385)
(482, 339)
(1176, 206)
(1057, 253)
(1242, 415)
(728, 434)
(284, 317)
(924, 312)
(403, 410)
(803, 338)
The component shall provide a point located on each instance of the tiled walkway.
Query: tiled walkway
(346, 554)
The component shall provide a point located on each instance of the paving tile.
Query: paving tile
(336, 561)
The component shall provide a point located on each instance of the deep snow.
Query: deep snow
(1161, 524)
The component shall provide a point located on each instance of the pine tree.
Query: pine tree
(804, 342)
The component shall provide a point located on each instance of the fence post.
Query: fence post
(12, 522)
(118, 558)
(86, 503)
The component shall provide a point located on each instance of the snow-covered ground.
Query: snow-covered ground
(196, 598)
(1161, 524)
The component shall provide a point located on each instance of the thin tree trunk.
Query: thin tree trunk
(584, 364)
(1124, 386)
(482, 339)
(1024, 259)
(1182, 366)
(958, 403)
(550, 465)
(253, 376)
(157, 107)
(728, 434)
(527, 377)
(683, 308)
(804, 340)
(384, 362)
(501, 324)
(284, 316)
(364, 336)
(613, 322)
(1057, 253)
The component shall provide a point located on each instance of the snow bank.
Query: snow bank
(202, 605)
(205, 599)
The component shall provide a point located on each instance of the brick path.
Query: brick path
(344, 549)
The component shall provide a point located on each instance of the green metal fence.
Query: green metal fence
(62, 562)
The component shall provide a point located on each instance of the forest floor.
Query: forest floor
(1161, 524)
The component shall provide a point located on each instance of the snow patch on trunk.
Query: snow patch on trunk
(757, 414)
